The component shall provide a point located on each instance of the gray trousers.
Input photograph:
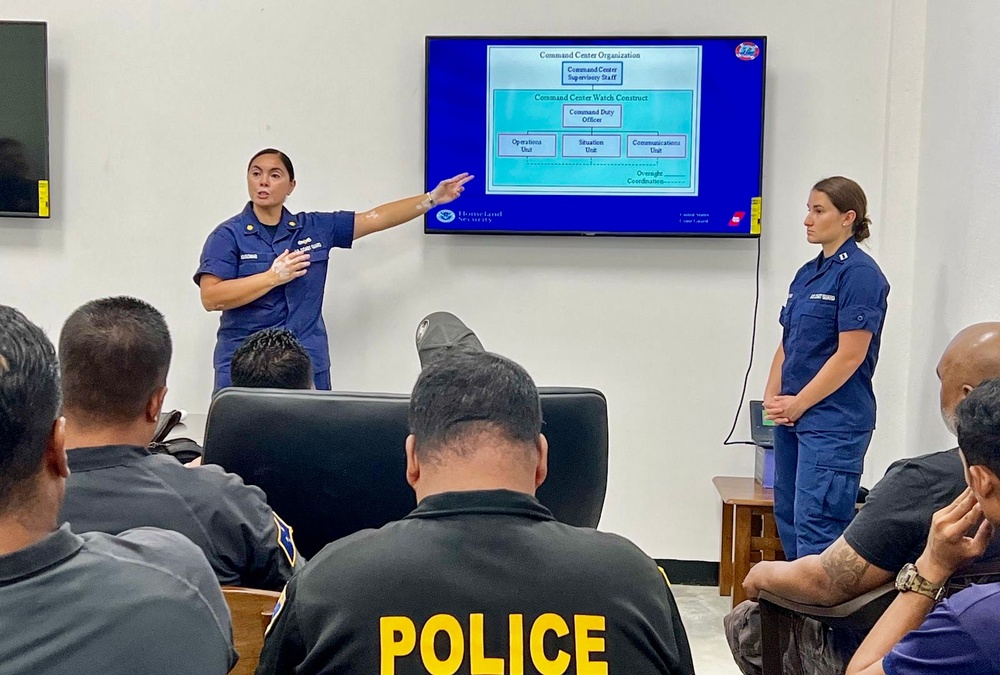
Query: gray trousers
(810, 649)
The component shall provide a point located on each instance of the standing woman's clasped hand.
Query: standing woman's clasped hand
(784, 410)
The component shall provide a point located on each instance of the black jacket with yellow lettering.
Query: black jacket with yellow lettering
(478, 582)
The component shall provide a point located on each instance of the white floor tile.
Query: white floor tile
(702, 609)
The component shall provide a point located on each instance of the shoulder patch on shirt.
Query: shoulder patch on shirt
(277, 610)
(285, 541)
(664, 575)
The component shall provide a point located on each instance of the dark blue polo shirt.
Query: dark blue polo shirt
(958, 636)
(240, 247)
(844, 292)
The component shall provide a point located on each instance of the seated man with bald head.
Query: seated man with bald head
(887, 533)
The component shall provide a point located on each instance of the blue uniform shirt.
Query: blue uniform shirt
(239, 248)
(958, 636)
(844, 292)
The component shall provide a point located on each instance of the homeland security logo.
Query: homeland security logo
(446, 215)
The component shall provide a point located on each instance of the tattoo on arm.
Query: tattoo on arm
(844, 567)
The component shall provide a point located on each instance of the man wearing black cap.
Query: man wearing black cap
(479, 577)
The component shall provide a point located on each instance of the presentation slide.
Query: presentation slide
(597, 136)
(549, 109)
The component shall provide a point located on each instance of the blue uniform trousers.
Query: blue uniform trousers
(816, 480)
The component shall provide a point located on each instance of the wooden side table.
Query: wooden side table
(749, 533)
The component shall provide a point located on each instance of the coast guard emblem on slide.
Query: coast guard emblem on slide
(747, 51)
(285, 541)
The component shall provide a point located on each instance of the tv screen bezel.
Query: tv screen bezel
(47, 169)
(428, 229)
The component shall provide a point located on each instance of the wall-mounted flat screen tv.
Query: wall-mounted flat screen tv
(24, 120)
(597, 136)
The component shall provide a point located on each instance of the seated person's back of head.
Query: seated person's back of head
(115, 354)
(274, 359)
(144, 602)
(479, 577)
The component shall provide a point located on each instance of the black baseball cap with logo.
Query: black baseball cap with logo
(441, 333)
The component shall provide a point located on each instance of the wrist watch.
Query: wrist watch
(909, 579)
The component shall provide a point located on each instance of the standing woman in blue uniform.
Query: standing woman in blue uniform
(819, 390)
(266, 267)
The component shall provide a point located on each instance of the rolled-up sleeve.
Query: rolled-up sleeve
(219, 257)
(337, 227)
(862, 300)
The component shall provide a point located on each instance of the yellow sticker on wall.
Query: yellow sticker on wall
(755, 215)
(43, 198)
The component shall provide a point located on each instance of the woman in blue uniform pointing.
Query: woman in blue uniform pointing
(819, 390)
(266, 267)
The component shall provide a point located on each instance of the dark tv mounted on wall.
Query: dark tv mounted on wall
(24, 120)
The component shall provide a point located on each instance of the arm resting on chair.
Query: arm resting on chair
(830, 578)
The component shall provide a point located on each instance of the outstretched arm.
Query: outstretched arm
(404, 210)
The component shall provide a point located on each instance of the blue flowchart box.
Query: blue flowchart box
(592, 145)
(526, 145)
(577, 115)
(591, 73)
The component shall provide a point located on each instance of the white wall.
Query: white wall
(156, 107)
(958, 237)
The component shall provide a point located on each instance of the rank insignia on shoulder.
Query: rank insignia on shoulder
(285, 541)
(277, 609)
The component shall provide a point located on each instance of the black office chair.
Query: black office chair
(853, 619)
(332, 463)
